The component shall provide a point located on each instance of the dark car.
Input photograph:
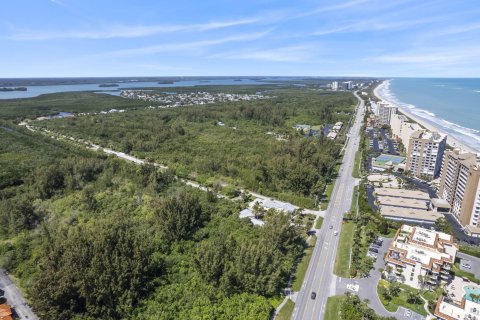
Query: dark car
(313, 295)
(373, 250)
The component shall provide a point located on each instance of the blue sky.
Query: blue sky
(240, 37)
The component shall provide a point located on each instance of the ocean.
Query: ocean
(451, 105)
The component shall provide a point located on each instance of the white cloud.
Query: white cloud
(377, 25)
(283, 54)
(434, 56)
(122, 31)
(334, 7)
(182, 46)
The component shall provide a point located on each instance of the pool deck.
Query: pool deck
(455, 289)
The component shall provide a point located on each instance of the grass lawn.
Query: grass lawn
(328, 193)
(286, 312)
(353, 207)
(471, 250)
(303, 265)
(401, 299)
(329, 188)
(333, 307)
(276, 300)
(342, 260)
(319, 223)
(356, 166)
(391, 233)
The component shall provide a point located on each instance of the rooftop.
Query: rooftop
(428, 135)
(402, 193)
(410, 214)
(420, 245)
(441, 203)
(246, 213)
(278, 205)
(402, 202)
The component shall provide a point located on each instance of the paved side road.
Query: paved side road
(14, 298)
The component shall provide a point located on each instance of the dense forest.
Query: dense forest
(95, 237)
(240, 153)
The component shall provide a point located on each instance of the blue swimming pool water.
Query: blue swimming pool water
(469, 290)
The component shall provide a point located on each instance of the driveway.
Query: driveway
(458, 231)
(367, 288)
(14, 298)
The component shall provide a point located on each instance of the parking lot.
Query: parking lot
(380, 142)
(469, 264)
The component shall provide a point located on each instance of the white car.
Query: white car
(353, 287)
(408, 313)
(335, 233)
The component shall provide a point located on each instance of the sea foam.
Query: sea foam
(469, 136)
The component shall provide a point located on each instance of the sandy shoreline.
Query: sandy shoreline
(451, 141)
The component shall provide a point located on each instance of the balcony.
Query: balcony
(445, 276)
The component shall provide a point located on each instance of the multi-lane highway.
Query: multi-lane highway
(319, 277)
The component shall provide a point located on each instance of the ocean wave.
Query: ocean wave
(469, 136)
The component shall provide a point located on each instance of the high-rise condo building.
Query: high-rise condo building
(384, 112)
(334, 85)
(460, 186)
(402, 128)
(425, 153)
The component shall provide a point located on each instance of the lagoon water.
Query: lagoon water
(452, 105)
(34, 91)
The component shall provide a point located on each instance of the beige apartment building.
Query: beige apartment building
(425, 153)
(420, 258)
(460, 187)
(402, 128)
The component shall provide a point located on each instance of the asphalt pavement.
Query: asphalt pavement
(14, 298)
(319, 277)
(471, 261)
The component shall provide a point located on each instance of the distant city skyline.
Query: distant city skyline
(73, 38)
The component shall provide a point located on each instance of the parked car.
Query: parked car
(373, 250)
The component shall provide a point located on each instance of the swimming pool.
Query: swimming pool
(471, 290)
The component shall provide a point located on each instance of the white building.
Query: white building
(384, 112)
(420, 258)
(348, 85)
(425, 153)
(402, 128)
(334, 85)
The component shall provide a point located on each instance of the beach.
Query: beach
(451, 141)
